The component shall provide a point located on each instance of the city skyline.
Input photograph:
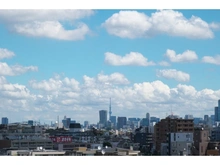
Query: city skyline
(71, 62)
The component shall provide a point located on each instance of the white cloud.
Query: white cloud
(13, 91)
(59, 96)
(133, 24)
(47, 23)
(187, 56)
(52, 29)
(50, 85)
(212, 60)
(5, 53)
(127, 24)
(18, 16)
(214, 25)
(164, 63)
(133, 58)
(115, 78)
(6, 70)
(174, 74)
(2, 80)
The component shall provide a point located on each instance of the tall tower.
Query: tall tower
(110, 109)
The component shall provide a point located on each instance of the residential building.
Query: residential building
(75, 127)
(30, 122)
(170, 125)
(25, 140)
(180, 143)
(201, 140)
(215, 134)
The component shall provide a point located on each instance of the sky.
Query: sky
(70, 62)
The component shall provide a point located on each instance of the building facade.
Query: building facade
(170, 125)
(5, 120)
(103, 117)
(217, 112)
(180, 143)
(121, 122)
(113, 120)
(201, 140)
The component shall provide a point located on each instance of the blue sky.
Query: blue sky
(70, 62)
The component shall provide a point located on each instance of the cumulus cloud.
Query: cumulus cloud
(212, 60)
(174, 74)
(47, 23)
(52, 29)
(13, 91)
(215, 25)
(133, 58)
(134, 24)
(82, 100)
(114, 78)
(6, 70)
(43, 15)
(164, 63)
(187, 56)
(5, 53)
(55, 84)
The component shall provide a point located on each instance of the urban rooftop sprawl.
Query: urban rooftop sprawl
(132, 137)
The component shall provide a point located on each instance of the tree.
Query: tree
(107, 144)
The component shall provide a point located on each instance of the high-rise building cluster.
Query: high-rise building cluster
(113, 135)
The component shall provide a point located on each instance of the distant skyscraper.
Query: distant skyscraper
(154, 119)
(145, 122)
(132, 119)
(206, 119)
(217, 112)
(68, 120)
(121, 122)
(4, 120)
(72, 121)
(197, 120)
(188, 117)
(147, 119)
(113, 120)
(212, 117)
(86, 124)
(147, 116)
(103, 117)
(110, 109)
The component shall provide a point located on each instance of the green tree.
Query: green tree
(107, 144)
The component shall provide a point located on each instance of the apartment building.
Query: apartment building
(170, 125)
